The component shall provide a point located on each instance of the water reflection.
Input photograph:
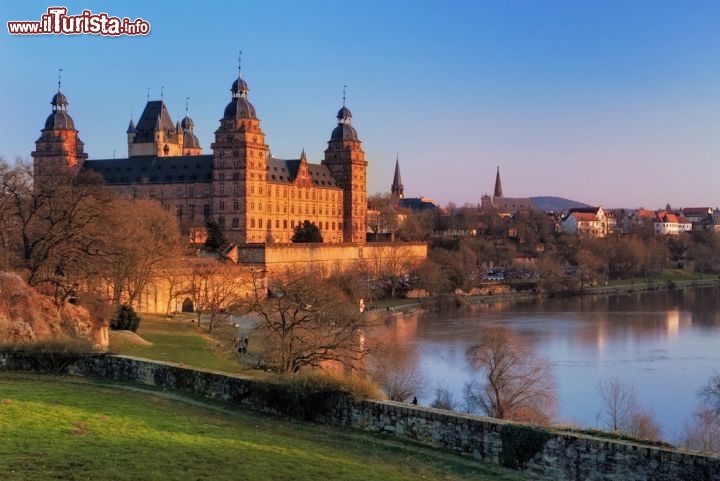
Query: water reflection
(665, 343)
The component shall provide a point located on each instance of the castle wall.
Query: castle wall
(377, 257)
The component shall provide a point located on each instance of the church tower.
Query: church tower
(239, 184)
(59, 150)
(346, 161)
(397, 190)
(498, 185)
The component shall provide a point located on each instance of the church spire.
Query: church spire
(498, 186)
(396, 191)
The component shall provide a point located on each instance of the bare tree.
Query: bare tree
(306, 323)
(621, 411)
(618, 402)
(710, 393)
(143, 238)
(702, 431)
(401, 383)
(443, 399)
(517, 385)
(217, 287)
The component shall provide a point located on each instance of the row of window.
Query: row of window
(292, 224)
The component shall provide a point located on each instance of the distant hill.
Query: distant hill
(556, 204)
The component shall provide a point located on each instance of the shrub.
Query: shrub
(126, 319)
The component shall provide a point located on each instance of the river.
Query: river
(666, 344)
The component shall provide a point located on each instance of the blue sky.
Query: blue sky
(607, 102)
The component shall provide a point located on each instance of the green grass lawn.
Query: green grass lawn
(73, 429)
(182, 341)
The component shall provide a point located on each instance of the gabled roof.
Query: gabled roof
(644, 214)
(286, 170)
(695, 211)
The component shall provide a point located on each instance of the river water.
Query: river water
(666, 344)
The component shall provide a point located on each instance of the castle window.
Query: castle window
(221, 189)
(221, 221)
(236, 176)
(235, 223)
(252, 223)
(333, 226)
(206, 191)
(277, 223)
(236, 189)
(190, 191)
(179, 191)
(206, 210)
(221, 206)
(285, 224)
(179, 211)
(236, 206)
(221, 176)
(191, 211)
(260, 223)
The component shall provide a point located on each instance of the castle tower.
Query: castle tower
(240, 170)
(190, 142)
(346, 161)
(154, 133)
(498, 185)
(397, 190)
(59, 150)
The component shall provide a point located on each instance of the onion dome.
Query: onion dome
(59, 119)
(344, 132)
(190, 140)
(59, 100)
(239, 107)
(187, 124)
(344, 129)
(239, 85)
(344, 113)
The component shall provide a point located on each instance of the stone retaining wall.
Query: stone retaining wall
(539, 453)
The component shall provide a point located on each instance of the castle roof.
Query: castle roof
(155, 117)
(151, 169)
(286, 170)
(59, 120)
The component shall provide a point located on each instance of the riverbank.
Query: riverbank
(669, 281)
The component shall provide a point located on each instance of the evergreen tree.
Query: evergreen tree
(306, 232)
(215, 235)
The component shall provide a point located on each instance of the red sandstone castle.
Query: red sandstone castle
(256, 198)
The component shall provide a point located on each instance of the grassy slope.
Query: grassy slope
(72, 429)
(182, 341)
